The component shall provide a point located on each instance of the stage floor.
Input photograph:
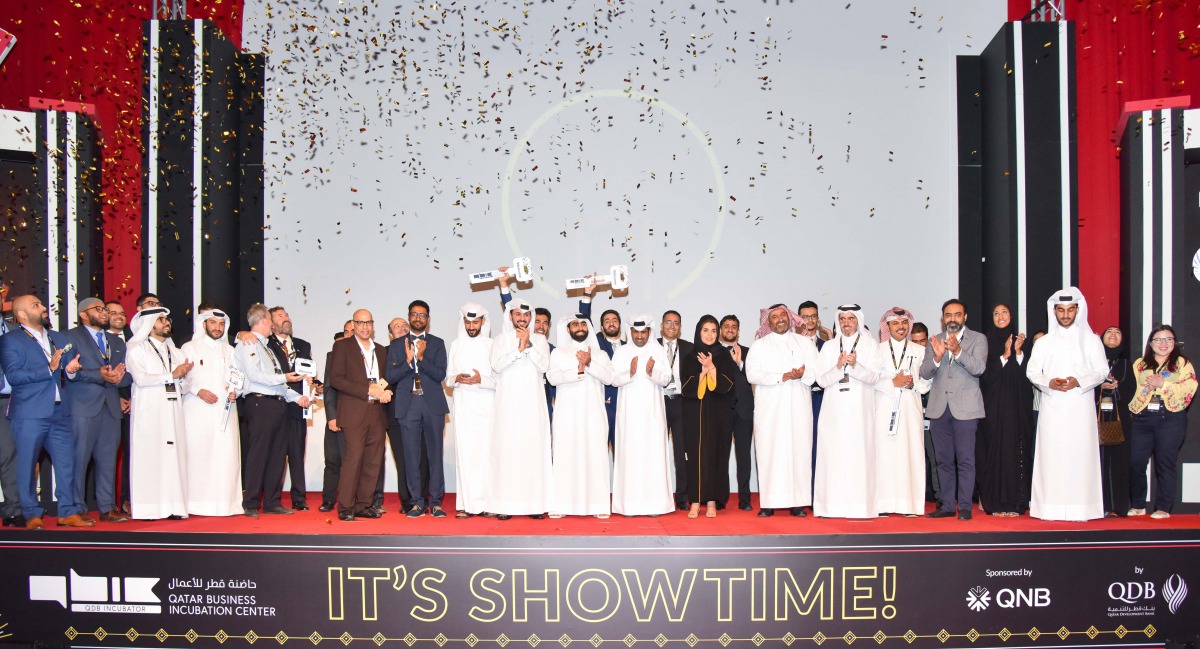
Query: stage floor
(729, 522)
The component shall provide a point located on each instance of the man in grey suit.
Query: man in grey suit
(958, 357)
(96, 405)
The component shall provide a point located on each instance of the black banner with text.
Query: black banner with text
(929, 590)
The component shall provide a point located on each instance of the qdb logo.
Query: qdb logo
(978, 598)
(92, 595)
(1174, 590)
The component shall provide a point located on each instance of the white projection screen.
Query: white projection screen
(731, 154)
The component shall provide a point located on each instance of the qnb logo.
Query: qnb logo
(1174, 590)
(97, 594)
(978, 598)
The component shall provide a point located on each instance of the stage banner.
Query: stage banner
(919, 590)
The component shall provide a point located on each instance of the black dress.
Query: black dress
(706, 420)
(1004, 463)
(1114, 460)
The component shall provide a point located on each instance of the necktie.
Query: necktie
(100, 341)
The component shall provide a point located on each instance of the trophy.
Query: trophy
(306, 367)
(235, 380)
(521, 268)
(617, 278)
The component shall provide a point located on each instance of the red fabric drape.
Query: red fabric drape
(93, 54)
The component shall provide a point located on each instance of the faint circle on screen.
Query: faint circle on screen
(684, 121)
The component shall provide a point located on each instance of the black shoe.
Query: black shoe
(278, 509)
(720, 505)
(939, 513)
(964, 515)
(537, 517)
(378, 511)
(176, 517)
(416, 512)
(366, 513)
(797, 512)
(15, 521)
(346, 516)
(300, 507)
(250, 513)
(765, 512)
(681, 504)
(744, 505)
(503, 517)
(437, 512)
(326, 507)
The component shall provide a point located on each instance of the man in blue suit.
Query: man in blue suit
(37, 363)
(96, 404)
(11, 509)
(416, 367)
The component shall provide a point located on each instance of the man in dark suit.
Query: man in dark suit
(288, 349)
(356, 372)
(11, 508)
(37, 363)
(96, 405)
(335, 442)
(416, 367)
(742, 427)
(676, 349)
(810, 325)
(116, 327)
(609, 338)
(958, 358)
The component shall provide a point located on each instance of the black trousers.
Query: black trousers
(335, 448)
(678, 447)
(295, 437)
(266, 437)
(743, 431)
(396, 440)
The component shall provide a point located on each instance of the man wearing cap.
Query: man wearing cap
(642, 453)
(158, 471)
(954, 361)
(899, 419)
(847, 367)
(519, 474)
(214, 473)
(96, 405)
(469, 374)
(580, 370)
(781, 366)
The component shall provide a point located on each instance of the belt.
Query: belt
(670, 396)
(266, 396)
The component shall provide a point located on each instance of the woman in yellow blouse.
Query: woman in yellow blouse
(1166, 384)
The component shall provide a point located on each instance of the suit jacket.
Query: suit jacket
(348, 375)
(329, 395)
(685, 349)
(956, 383)
(27, 370)
(433, 371)
(92, 395)
(743, 405)
(303, 350)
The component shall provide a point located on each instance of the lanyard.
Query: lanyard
(166, 363)
(846, 369)
(903, 351)
(49, 354)
(369, 360)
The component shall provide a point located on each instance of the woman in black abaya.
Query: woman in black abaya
(1004, 464)
(706, 379)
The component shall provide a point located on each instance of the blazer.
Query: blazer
(27, 370)
(956, 383)
(743, 393)
(348, 375)
(303, 350)
(329, 395)
(433, 371)
(91, 394)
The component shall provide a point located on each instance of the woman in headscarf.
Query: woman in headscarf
(706, 385)
(1113, 396)
(1005, 466)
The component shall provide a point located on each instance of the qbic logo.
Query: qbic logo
(93, 595)
(978, 598)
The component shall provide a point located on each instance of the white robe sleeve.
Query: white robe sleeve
(828, 372)
(601, 368)
(1035, 370)
(564, 367)
(758, 371)
(1096, 370)
(146, 374)
(504, 352)
(661, 374)
(620, 369)
(868, 367)
(539, 352)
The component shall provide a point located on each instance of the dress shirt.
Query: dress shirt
(43, 339)
(672, 349)
(262, 370)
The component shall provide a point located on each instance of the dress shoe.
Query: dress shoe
(765, 512)
(964, 515)
(744, 505)
(939, 513)
(346, 516)
(279, 509)
(113, 516)
(75, 520)
(437, 512)
(797, 512)
(15, 521)
(378, 511)
(125, 508)
(537, 517)
(415, 512)
(176, 517)
(681, 504)
(250, 513)
(326, 507)
(300, 507)
(34, 523)
(503, 517)
(367, 513)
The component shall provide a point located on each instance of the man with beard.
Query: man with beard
(742, 424)
(1065, 366)
(267, 396)
(676, 349)
(779, 365)
(847, 367)
(96, 405)
(214, 469)
(158, 470)
(810, 327)
(519, 473)
(956, 359)
(37, 363)
(609, 338)
(397, 329)
(288, 349)
(469, 374)
(899, 419)
(580, 370)
(641, 457)
(116, 327)
(416, 367)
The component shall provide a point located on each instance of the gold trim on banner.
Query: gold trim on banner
(819, 638)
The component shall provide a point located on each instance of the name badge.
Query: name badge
(1153, 406)
(172, 392)
(1106, 404)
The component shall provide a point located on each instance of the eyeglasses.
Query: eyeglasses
(1162, 341)
(671, 322)
(150, 304)
(416, 315)
(808, 317)
(364, 323)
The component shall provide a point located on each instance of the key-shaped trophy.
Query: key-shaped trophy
(617, 278)
(235, 380)
(521, 268)
(307, 367)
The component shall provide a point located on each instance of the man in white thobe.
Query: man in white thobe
(899, 419)
(642, 452)
(848, 368)
(779, 365)
(472, 411)
(1066, 364)
(213, 440)
(158, 458)
(519, 475)
(579, 370)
